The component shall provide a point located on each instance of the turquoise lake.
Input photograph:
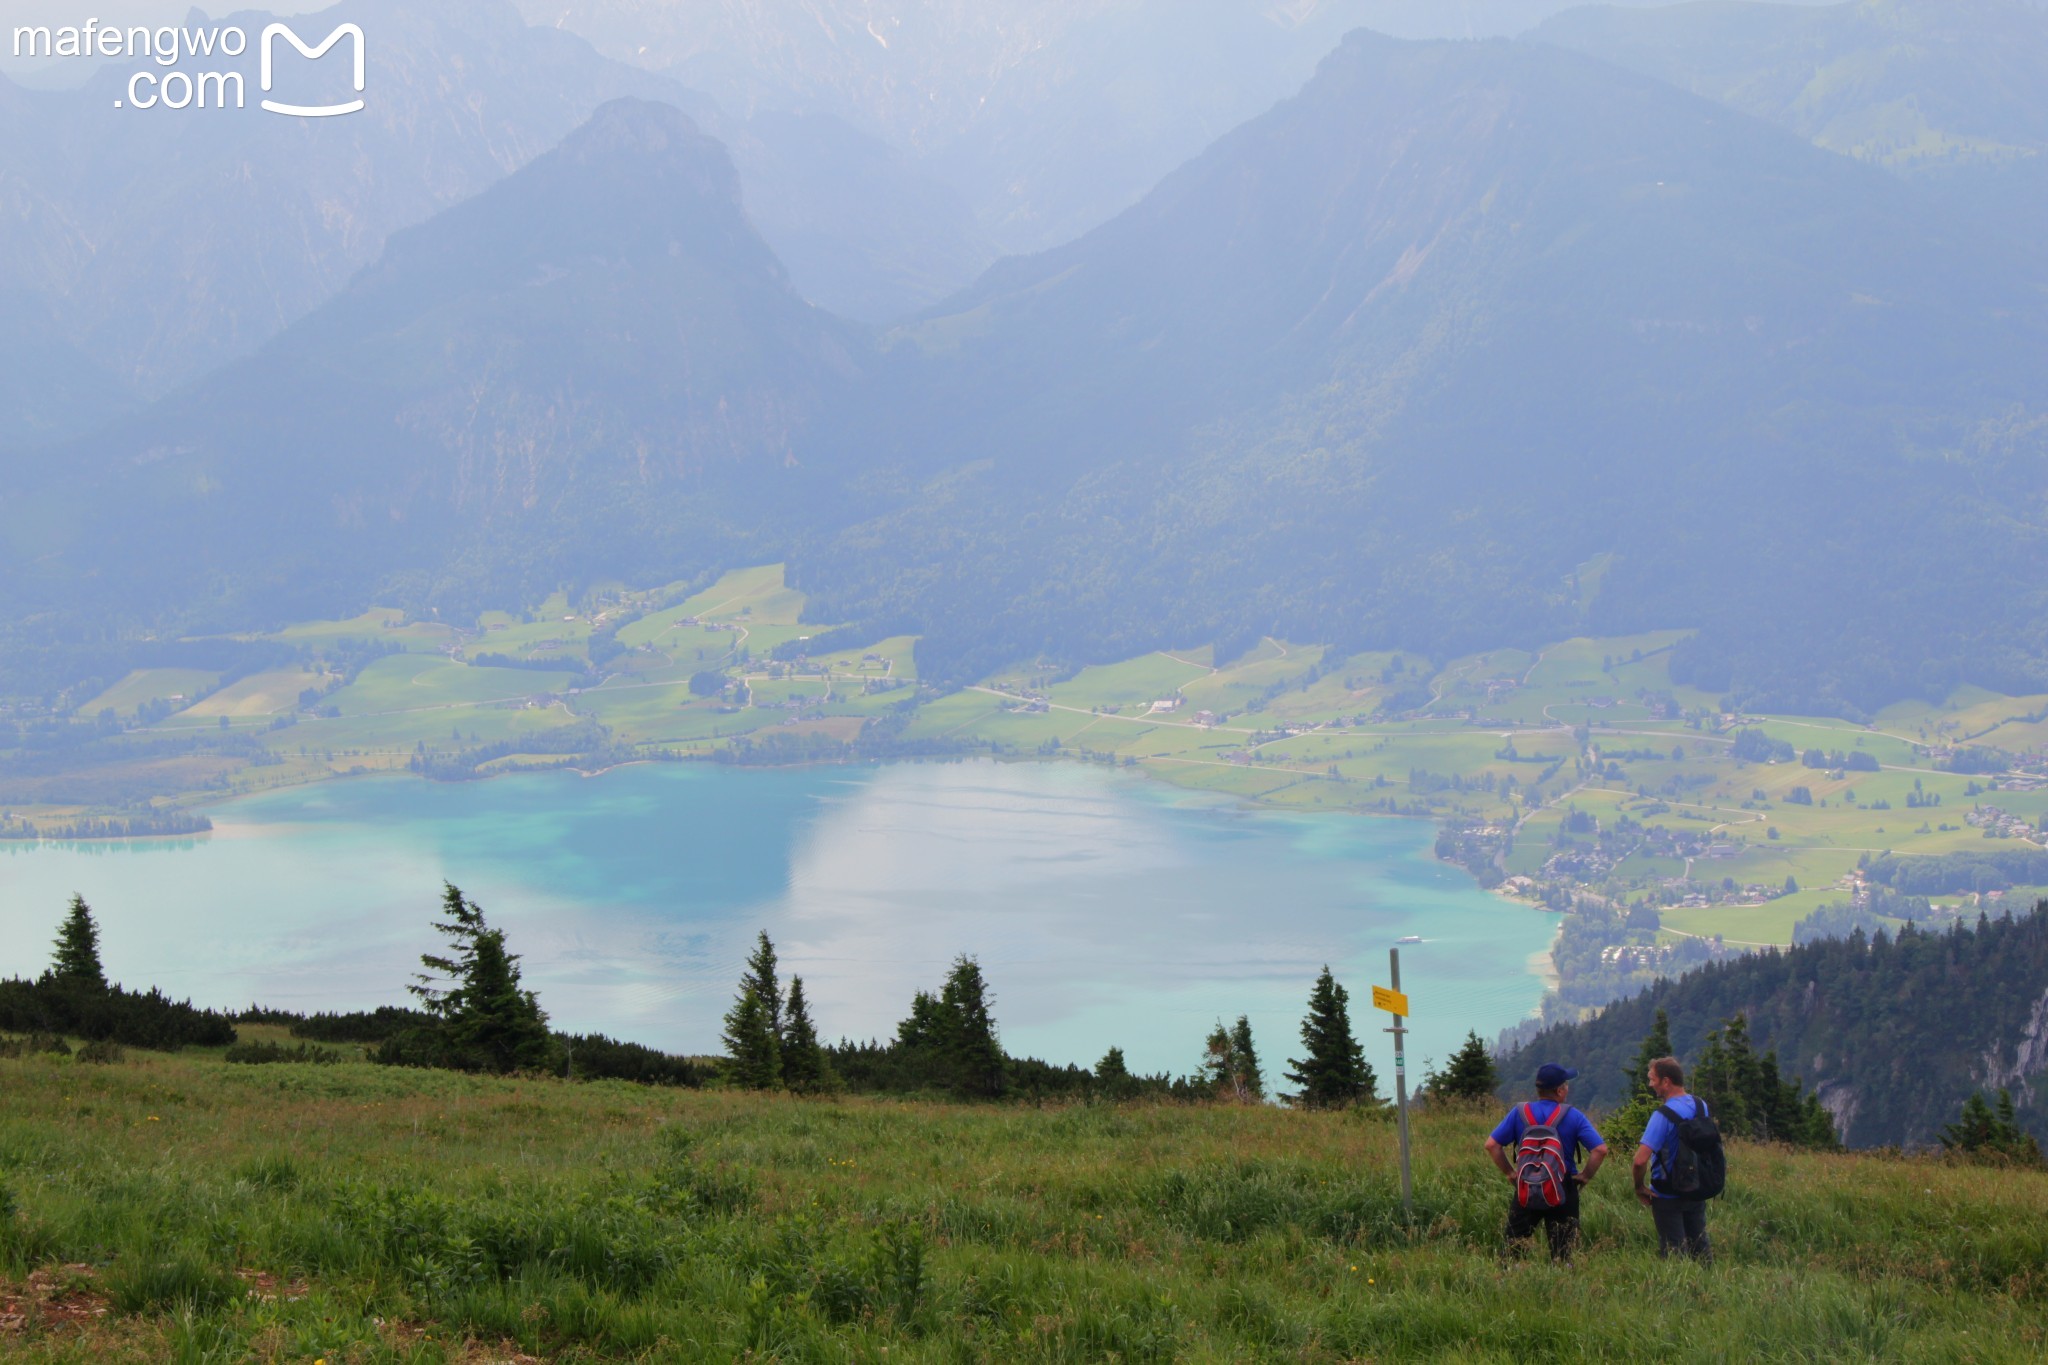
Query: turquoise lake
(1105, 908)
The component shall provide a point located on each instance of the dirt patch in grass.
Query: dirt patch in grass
(58, 1298)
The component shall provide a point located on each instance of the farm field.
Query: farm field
(176, 1207)
(146, 685)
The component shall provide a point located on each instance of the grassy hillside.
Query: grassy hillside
(352, 1213)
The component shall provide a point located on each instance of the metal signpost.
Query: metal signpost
(1396, 1004)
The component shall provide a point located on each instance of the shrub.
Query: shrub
(34, 1043)
(257, 1054)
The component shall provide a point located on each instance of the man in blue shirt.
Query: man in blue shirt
(1574, 1131)
(1681, 1223)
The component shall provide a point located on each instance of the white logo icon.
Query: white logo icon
(275, 31)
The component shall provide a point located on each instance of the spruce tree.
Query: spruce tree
(1217, 1064)
(1657, 1044)
(1729, 1077)
(77, 959)
(804, 1067)
(1246, 1078)
(482, 1018)
(1469, 1075)
(1334, 1073)
(973, 1058)
(1986, 1134)
(1113, 1076)
(753, 1026)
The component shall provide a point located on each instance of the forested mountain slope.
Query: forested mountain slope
(557, 373)
(1388, 363)
(1947, 93)
(1894, 1033)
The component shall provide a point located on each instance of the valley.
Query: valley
(1577, 776)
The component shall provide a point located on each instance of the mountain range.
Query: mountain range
(1389, 363)
(167, 244)
(1948, 93)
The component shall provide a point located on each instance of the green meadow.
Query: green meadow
(182, 1208)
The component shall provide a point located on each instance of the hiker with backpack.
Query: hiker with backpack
(1681, 1157)
(1546, 1135)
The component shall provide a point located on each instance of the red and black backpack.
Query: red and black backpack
(1540, 1180)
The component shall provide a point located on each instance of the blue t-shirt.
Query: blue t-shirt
(1660, 1134)
(1575, 1131)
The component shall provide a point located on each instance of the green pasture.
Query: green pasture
(1231, 689)
(1140, 681)
(260, 695)
(759, 594)
(146, 685)
(1768, 923)
(894, 657)
(402, 683)
(381, 625)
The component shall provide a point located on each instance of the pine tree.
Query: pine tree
(972, 1057)
(1986, 1134)
(483, 1019)
(1729, 1077)
(1246, 1077)
(1113, 1076)
(925, 1028)
(1218, 1068)
(1470, 1074)
(1334, 1073)
(1657, 1044)
(77, 959)
(753, 1026)
(804, 1067)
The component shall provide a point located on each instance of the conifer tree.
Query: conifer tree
(1217, 1063)
(1469, 1075)
(1729, 1078)
(77, 958)
(1334, 1073)
(972, 1056)
(483, 1019)
(753, 1026)
(1113, 1076)
(925, 1028)
(804, 1067)
(1657, 1044)
(1984, 1133)
(1246, 1078)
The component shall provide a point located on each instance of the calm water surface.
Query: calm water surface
(1105, 908)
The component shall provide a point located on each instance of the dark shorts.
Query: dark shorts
(1682, 1228)
(1561, 1225)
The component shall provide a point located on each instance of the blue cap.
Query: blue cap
(1550, 1076)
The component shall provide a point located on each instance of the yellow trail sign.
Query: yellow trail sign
(1393, 1002)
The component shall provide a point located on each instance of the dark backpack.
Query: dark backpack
(1540, 1180)
(1696, 1167)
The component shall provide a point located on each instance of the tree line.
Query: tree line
(74, 997)
(473, 1012)
(1895, 1030)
